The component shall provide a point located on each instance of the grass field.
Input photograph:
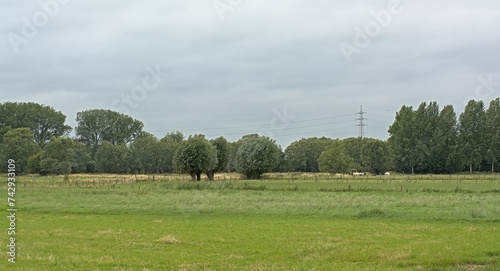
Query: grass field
(294, 222)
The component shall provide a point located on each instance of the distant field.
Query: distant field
(293, 222)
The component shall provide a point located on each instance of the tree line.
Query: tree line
(425, 140)
(429, 140)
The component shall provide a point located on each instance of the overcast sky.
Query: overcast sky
(285, 68)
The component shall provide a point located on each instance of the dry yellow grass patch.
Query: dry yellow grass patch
(109, 231)
(194, 266)
(394, 256)
(169, 239)
(232, 256)
(105, 259)
(52, 258)
(475, 267)
(472, 229)
(419, 228)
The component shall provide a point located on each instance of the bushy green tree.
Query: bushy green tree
(18, 144)
(3, 131)
(195, 156)
(112, 158)
(167, 147)
(222, 149)
(145, 155)
(256, 156)
(334, 159)
(34, 163)
(43, 121)
(377, 156)
(64, 156)
(302, 155)
(354, 148)
(98, 125)
(233, 151)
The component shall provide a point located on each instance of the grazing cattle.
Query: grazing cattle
(387, 174)
(355, 174)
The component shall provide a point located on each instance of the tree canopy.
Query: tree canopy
(256, 156)
(43, 121)
(98, 125)
(335, 159)
(377, 156)
(303, 155)
(195, 156)
(18, 144)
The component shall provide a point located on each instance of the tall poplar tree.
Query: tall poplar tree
(402, 139)
(472, 134)
(493, 133)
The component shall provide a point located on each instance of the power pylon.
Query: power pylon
(361, 124)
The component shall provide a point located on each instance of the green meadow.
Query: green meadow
(284, 222)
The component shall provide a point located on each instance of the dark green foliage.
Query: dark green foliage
(112, 158)
(18, 144)
(354, 148)
(34, 163)
(493, 133)
(233, 151)
(302, 155)
(91, 167)
(256, 156)
(403, 140)
(98, 125)
(145, 155)
(472, 134)
(43, 121)
(335, 159)
(377, 156)
(222, 150)
(3, 131)
(176, 137)
(167, 147)
(63, 156)
(446, 158)
(195, 156)
(425, 140)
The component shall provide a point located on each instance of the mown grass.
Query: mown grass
(296, 224)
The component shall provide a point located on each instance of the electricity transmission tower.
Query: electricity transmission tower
(361, 124)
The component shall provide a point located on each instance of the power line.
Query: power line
(258, 125)
(286, 134)
(328, 130)
(291, 128)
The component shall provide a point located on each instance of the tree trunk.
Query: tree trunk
(412, 170)
(492, 167)
(470, 168)
(210, 175)
(193, 176)
(198, 176)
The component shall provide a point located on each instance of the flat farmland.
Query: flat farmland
(285, 222)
